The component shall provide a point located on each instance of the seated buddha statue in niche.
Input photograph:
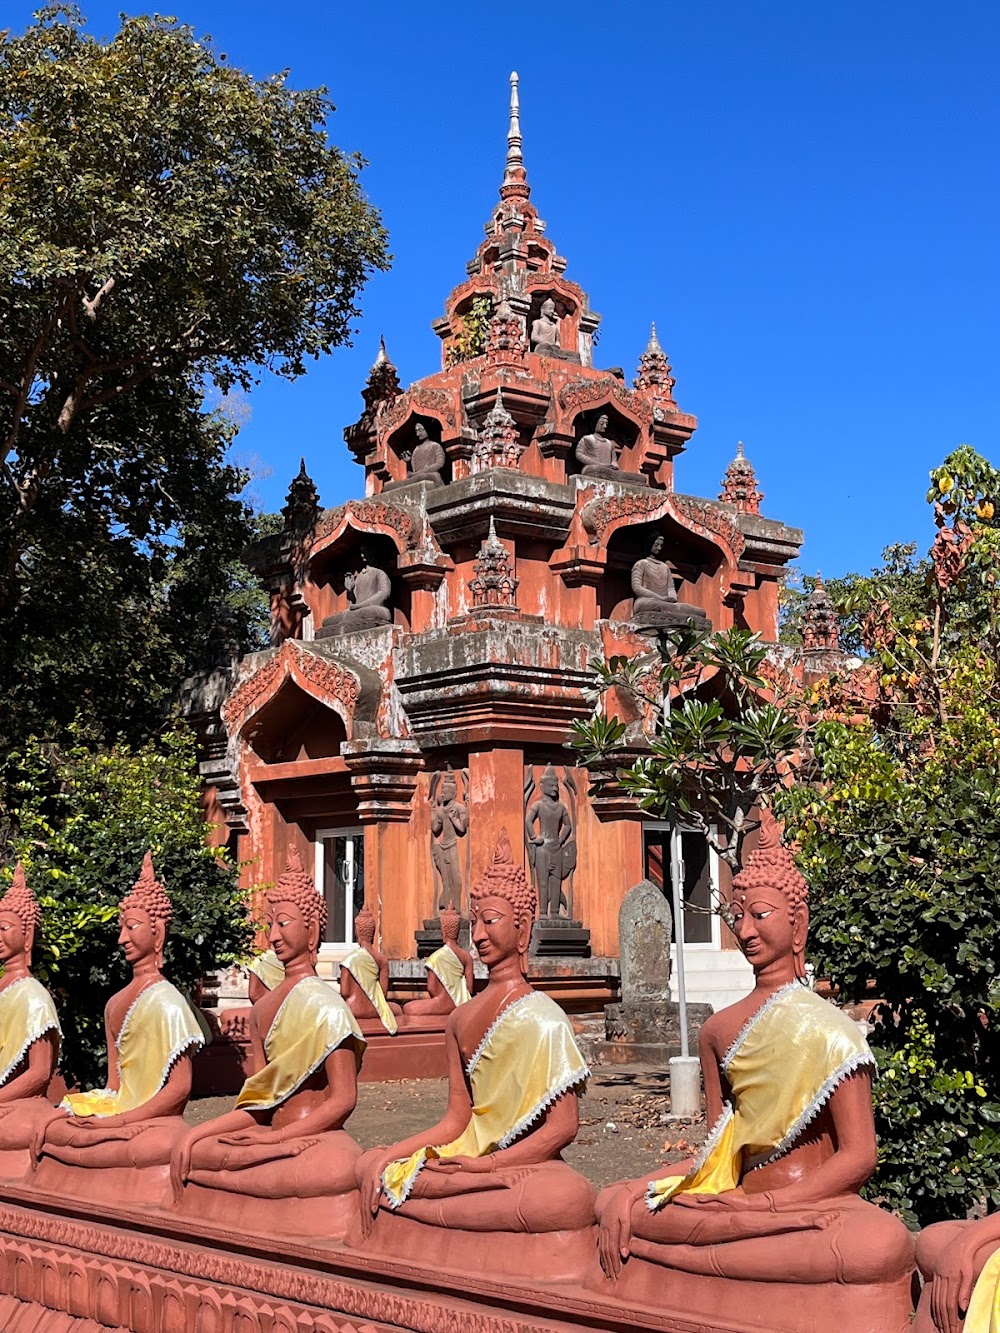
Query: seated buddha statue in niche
(284, 1140)
(450, 973)
(773, 1197)
(152, 1033)
(597, 454)
(364, 977)
(29, 1029)
(426, 461)
(493, 1162)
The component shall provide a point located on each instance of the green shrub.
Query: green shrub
(83, 821)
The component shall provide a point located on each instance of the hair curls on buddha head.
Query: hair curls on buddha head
(296, 887)
(21, 902)
(148, 895)
(503, 879)
(451, 924)
(770, 866)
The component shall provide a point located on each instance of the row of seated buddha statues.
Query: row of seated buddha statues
(764, 1229)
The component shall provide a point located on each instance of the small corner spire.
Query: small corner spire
(739, 485)
(654, 343)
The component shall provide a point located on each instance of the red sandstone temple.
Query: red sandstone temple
(431, 640)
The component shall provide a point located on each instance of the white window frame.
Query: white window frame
(335, 948)
(675, 831)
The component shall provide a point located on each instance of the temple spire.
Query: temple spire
(739, 485)
(515, 180)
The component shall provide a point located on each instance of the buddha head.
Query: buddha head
(503, 909)
(420, 431)
(770, 903)
(296, 914)
(549, 308)
(656, 544)
(450, 924)
(364, 928)
(145, 914)
(19, 920)
(602, 425)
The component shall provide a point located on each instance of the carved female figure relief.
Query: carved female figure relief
(449, 824)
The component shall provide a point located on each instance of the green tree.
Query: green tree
(85, 821)
(712, 734)
(167, 223)
(900, 841)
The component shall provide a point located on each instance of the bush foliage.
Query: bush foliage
(85, 821)
(900, 841)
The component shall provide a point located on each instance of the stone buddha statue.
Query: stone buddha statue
(493, 1162)
(364, 977)
(654, 595)
(450, 973)
(281, 1160)
(426, 462)
(368, 591)
(960, 1264)
(545, 330)
(152, 1033)
(597, 454)
(770, 1209)
(29, 1030)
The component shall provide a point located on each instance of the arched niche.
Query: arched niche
(292, 726)
(621, 428)
(691, 558)
(330, 567)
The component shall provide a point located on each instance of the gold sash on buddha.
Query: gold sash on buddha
(527, 1060)
(364, 969)
(26, 1015)
(311, 1022)
(268, 968)
(159, 1027)
(782, 1069)
(984, 1309)
(447, 967)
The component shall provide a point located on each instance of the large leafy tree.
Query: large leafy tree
(900, 840)
(166, 222)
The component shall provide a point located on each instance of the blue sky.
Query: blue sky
(803, 196)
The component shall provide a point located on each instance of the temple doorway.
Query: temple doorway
(340, 877)
(716, 972)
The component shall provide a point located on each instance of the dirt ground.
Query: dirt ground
(624, 1130)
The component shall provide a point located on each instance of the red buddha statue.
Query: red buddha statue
(29, 1030)
(450, 974)
(152, 1033)
(770, 1210)
(960, 1264)
(493, 1162)
(281, 1160)
(364, 978)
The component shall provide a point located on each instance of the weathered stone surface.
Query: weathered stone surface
(645, 928)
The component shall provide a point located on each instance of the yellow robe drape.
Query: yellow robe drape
(159, 1027)
(26, 1015)
(268, 968)
(984, 1309)
(447, 967)
(782, 1069)
(525, 1062)
(311, 1022)
(364, 969)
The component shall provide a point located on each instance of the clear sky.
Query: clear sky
(803, 196)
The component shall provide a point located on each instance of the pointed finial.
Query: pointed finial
(493, 529)
(383, 356)
(654, 343)
(739, 449)
(514, 155)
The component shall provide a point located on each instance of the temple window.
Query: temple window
(697, 865)
(340, 877)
